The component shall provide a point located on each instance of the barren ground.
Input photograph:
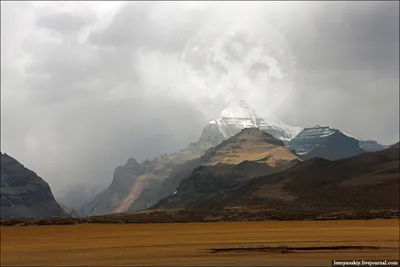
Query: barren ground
(193, 243)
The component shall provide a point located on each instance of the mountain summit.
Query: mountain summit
(325, 142)
(239, 115)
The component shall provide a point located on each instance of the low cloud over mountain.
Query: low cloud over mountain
(86, 86)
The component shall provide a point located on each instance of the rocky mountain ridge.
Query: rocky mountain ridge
(150, 181)
(237, 160)
(250, 144)
(24, 194)
(325, 142)
(365, 182)
(133, 178)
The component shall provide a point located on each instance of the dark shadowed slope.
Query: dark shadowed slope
(325, 142)
(364, 182)
(24, 194)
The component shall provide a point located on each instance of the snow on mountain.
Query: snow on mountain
(278, 128)
(321, 132)
(325, 142)
(239, 115)
(309, 138)
(353, 136)
(317, 131)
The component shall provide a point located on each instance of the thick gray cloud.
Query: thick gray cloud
(165, 26)
(349, 35)
(85, 86)
(348, 68)
(64, 22)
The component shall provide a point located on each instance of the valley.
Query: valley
(201, 244)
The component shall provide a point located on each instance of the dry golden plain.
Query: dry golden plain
(190, 243)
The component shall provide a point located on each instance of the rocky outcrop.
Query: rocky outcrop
(24, 194)
(111, 199)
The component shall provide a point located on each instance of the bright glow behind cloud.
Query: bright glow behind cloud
(230, 60)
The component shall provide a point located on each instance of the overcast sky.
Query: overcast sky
(87, 85)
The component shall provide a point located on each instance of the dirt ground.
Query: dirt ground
(192, 243)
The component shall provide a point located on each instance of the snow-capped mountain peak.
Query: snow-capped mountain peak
(310, 137)
(239, 115)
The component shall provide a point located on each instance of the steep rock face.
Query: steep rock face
(24, 194)
(139, 185)
(228, 165)
(324, 142)
(125, 176)
(108, 201)
(178, 166)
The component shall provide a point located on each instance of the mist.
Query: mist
(87, 85)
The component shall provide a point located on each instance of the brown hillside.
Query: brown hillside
(364, 182)
(248, 154)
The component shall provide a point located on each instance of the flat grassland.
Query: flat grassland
(192, 243)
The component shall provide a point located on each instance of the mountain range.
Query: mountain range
(145, 185)
(234, 162)
(249, 145)
(133, 178)
(148, 182)
(364, 182)
(240, 159)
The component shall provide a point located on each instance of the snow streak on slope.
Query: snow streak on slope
(317, 131)
(239, 115)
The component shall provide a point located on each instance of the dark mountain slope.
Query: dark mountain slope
(24, 194)
(324, 142)
(364, 182)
